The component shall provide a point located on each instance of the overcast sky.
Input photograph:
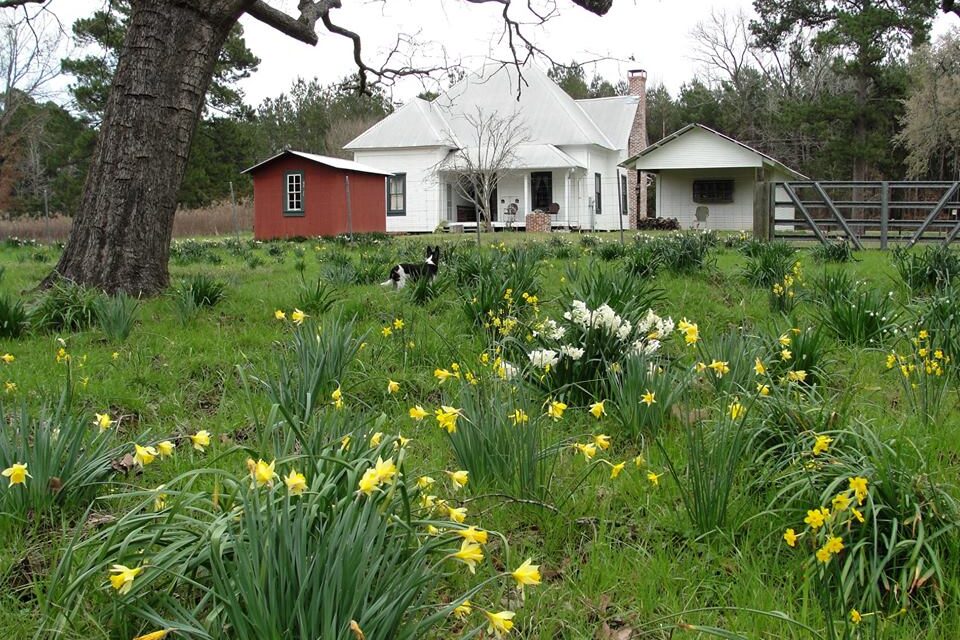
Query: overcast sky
(655, 33)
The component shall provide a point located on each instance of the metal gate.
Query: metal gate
(871, 213)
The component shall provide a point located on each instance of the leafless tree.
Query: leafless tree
(491, 148)
(29, 61)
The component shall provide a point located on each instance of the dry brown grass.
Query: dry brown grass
(214, 220)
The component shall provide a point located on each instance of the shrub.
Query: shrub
(688, 251)
(611, 251)
(645, 258)
(319, 298)
(940, 316)
(116, 315)
(65, 307)
(925, 373)
(768, 263)
(927, 270)
(643, 393)
(496, 282)
(894, 548)
(69, 461)
(854, 313)
(311, 366)
(838, 251)
(13, 317)
(596, 285)
(203, 290)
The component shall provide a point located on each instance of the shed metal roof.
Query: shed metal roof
(638, 162)
(336, 163)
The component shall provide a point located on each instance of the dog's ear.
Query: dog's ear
(436, 254)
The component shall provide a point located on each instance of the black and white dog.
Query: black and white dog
(407, 271)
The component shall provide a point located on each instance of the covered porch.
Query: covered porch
(540, 177)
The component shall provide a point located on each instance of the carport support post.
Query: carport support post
(762, 210)
(884, 213)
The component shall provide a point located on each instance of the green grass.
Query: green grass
(616, 554)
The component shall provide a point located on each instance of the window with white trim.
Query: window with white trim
(293, 193)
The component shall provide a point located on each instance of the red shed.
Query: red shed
(303, 194)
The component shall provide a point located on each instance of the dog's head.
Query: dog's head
(433, 255)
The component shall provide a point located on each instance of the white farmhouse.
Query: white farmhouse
(567, 163)
(707, 180)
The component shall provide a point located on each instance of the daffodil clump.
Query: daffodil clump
(925, 374)
(784, 294)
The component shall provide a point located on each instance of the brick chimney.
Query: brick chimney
(637, 82)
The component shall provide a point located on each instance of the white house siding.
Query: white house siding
(426, 202)
(699, 149)
(604, 162)
(675, 198)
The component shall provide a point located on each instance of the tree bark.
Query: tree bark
(120, 237)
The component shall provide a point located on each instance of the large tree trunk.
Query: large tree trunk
(120, 238)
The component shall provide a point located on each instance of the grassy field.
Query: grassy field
(764, 408)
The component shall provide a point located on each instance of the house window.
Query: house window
(449, 202)
(397, 194)
(597, 179)
(713, 191)
(541, 188)
(623, 195)
(293, 193)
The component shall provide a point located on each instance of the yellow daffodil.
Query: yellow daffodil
(821, 444)
(144, 455)
(336, 397)
(345, 443)
(816, 517)
(428, 502)
(638, 461)
(519, 416)
(447, 418)
(442, 375)
(115, 355)
(123, 577)
(165, 448)
(500, 623)
(424, 481)
(855, 616)
(856, 514)
(616, 469)
(154, 635)
(834, 544)
(470, 554)
(103, 421)
(17, 473)
(10, 387)
(473, 534)
(719, 367)
(823, 555)
(386, 332)
(401, 441)
(263, 473)
(797, 376)
(463, 610)
(588, 450)
(368, 482)
(784, 340)
(786, 354)
(8, 358)
(555, 409)
(160, 499)
(200, 439)
(840, 502)
(296, 482)
(602, 441)
(859, 487)
(398, 324)
(457, 514)
(654, 478)
(700, 367)
(385, 469)
(790, 537)
(280, 314)
(758, 367)
(297, 317)
(763, 389)
(392, 387)
(418, 413)
(526, 574)
(690, 331)
(432, 530)
(737, 410)
(376, 439)
(597, 410)
(648, 398)
(459, 478)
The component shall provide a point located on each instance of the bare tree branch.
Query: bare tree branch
(4, 4)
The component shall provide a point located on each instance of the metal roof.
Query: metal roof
(695, 125)
(545, 113)
(526, 156)
(337, 163)
(614, 116)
